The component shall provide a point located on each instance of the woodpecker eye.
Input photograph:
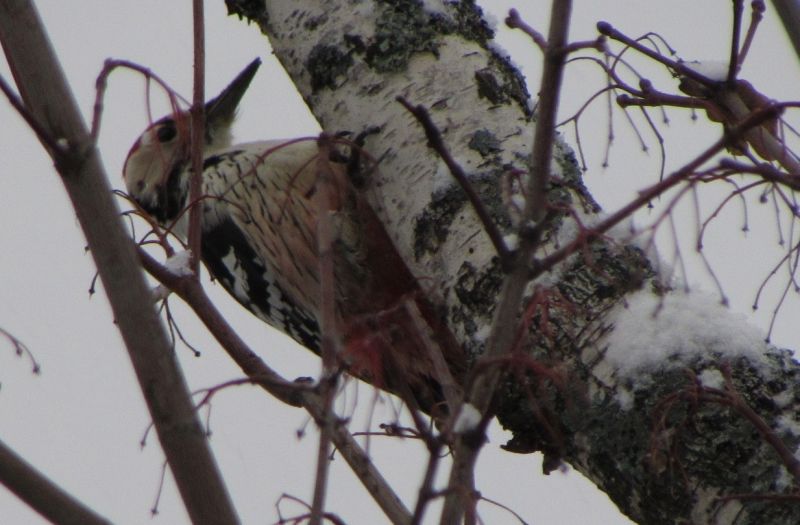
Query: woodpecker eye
(166, 132)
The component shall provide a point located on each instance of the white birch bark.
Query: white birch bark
(349, 60)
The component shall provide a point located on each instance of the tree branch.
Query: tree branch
(501, 339)
(789, 12)
(437, 144)
(198, 120)
(329, 347)
(254, 367)
(44, 496)
(47, 96)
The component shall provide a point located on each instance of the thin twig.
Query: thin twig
(514, 21)
(21, 349)
(324, 203)
(254, 367)
(787, 456)
(736, 33)
(333, 518)
(198, 119)
(756, 15)
(101, 85)
(436, 143)
(41, 132)
(608, 30)
(482, 388)
(549, 93)
(47, 96)
(645, 196)
(426, 492)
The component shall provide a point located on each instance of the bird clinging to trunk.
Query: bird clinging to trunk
(258, 238)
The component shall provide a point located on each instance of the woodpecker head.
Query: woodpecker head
(160, 154)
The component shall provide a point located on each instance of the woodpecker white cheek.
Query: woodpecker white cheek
(148, 137)
(139, 177)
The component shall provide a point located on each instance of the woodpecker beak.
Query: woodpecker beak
(221, 109)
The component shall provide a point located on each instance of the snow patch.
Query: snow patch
(482, 334)
(468, 419)
(678, 325)
(624, 398)
(784, 398)
(179, 264)
(492, 22)
(712, 378)
(511, 241)
(442, 179)
(716, 70)
(160, 293)
(435, 6)
(788, 425)
(519, 201)
(784, 479)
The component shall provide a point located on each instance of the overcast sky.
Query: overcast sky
(82, 419)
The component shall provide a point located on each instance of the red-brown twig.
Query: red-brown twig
(536, 204)
(756, 15)
(302, 518)
(787, 456)
(329, 347)
(436, 143)
(608, 30)
(47, 96)
(426, 491)
(198, 119)
(102, 83)
(646, 195)
(21, 349)
(254, 367)
(41, 132)
(480, 391)
(514, 21)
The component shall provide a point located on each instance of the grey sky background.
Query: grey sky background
(82, 419)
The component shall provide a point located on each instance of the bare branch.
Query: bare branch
(789, 12)
(41, 132)
(437, 144)
(787, 456)
(21, 349)
(501, 340)
(514, 21)
(549, 93)
(254, 367)
(198, 119)
(646, 195)
(41, 82)
(44, 496)
(329, 347)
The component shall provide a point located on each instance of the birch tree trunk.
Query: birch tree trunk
(649, 433)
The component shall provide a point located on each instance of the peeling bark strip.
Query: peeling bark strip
(664, 449)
